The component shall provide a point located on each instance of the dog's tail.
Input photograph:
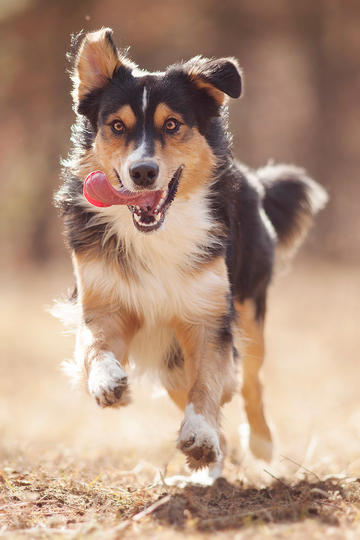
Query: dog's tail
(291, 200)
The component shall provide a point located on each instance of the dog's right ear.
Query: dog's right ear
(96, 62)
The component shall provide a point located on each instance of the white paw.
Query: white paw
(198, 440)
(108, 381)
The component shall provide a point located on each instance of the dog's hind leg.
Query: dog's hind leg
(251, 344)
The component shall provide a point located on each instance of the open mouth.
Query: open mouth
(149, 211)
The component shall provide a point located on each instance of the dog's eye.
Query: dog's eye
(118, 127)
(172, 125)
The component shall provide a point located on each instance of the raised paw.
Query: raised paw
(198, 440)
(108, 382)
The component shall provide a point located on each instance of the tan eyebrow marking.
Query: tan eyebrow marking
(126, 114)
(162, 112)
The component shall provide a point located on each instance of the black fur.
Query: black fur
(249, 246)
(281, 202)
(223, 74)
(290, 198)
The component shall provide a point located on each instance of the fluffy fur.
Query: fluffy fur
(183, 295)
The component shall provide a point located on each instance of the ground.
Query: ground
(71, 470)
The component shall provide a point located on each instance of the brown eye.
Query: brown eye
(118, 127)
(172, 125)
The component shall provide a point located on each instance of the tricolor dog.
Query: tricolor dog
(173, 241)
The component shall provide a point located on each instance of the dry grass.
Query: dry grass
(70, 470)
(60, 500)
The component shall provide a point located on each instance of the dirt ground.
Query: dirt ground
(71, 470)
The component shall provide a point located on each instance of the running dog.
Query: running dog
(173, 241)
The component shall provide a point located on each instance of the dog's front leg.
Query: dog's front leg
(210, 379)
(102, 339)
(104, 371)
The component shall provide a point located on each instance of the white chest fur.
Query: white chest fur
(165, 284)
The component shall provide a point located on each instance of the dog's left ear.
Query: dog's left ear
(219, 78)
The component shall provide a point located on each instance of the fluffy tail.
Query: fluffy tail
(291, 200)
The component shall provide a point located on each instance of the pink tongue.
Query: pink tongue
(99, 192)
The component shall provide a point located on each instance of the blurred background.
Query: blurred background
(301, 101)
(301, 105)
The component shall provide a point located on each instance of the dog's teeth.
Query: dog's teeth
(161, 202)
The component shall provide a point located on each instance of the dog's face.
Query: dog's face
(150, 129)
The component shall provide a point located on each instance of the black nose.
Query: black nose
(144, 173)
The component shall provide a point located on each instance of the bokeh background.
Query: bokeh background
(301, 101)
(301, 105)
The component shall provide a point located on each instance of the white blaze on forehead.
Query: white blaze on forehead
(144, 100)
(139, 152)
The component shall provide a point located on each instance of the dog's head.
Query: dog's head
(151, 131)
